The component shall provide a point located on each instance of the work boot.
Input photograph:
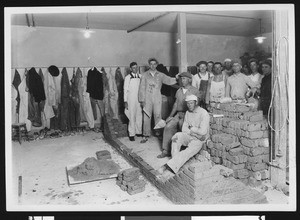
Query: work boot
(131, 138)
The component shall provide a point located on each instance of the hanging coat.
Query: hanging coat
(106, 90)
(75, 102)
(80, 94)
(65, 99)
(16, 82)
(87, 107)
(36, 86)
(120, 84)
(113, 95)
(56, 103)
(134, 112)
(23, 110)
(50, 99)
(14, 103)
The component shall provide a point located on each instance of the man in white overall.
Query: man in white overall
(133, 109)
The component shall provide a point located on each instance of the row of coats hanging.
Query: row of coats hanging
(50, 99)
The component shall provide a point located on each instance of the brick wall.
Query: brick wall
(199, 181)
(239, 141)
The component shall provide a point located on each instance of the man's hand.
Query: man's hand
(126, 105)
(168, 119)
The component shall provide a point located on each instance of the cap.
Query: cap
(191, 98)
(53, 70)
(227, 60)
(201, 62)
(186, 74)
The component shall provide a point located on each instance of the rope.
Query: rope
(277, 81)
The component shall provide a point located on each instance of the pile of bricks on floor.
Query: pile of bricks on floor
(201, 182)
(239, 140)
(129, 180)
(116, 126)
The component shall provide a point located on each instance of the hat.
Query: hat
(186, 74)
(53, 70)
(201, 62)
(191, 98)
(227, 60)
(267, 62)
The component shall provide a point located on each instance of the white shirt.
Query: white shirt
(196, 80)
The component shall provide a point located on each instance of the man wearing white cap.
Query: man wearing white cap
(175, 120)
(227, 67)
(195, 131)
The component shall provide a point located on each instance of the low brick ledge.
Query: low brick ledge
(184, 187)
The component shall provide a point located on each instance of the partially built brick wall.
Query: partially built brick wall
(239, 140)
(197, 182)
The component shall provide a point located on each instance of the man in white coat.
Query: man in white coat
(133, 109)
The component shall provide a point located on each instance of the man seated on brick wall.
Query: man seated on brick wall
(238, 83)
(175, 120)
(195, 131)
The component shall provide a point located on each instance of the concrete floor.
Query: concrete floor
(42, 163)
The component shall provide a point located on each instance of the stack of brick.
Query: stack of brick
(116, 126)
(129, 180)
(239, 141)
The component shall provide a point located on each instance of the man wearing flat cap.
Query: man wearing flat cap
(227, 67)
(175, 119)
(195, 131)
(200, 81)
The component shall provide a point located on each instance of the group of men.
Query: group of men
(188, 122)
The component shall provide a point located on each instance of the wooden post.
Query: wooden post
(279, 163)
(181, 42)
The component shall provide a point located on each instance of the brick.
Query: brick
(232, 145)
(139, 190)
(131, 171)
(218, 146)
(130, 178)
(265, 158)
(124, 188)
(241, 174)
(264, 174)
(242, 108)
(263, 142)
(226, 121)
(255, 134)
(236, 151)
(242, 158)
(233, 159)
(213, 152)
(103, 154)
(215, 138)
(254, 182)
(255, 159)
(257, 151)
(216, 160)
(237, 166)
(265, 134)
(136, 184)
(254, 126)
(200, 166)
(256, 166)
(248, 142)
(229, 130)
(258, 117)
(226, 139)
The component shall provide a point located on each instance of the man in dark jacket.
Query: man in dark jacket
(266, 84)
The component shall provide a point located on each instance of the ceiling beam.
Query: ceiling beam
(148, 22)
(224, 16)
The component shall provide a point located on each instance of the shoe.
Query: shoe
(162, 169)
(163, 155)
(131, 138)
(144, 140)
